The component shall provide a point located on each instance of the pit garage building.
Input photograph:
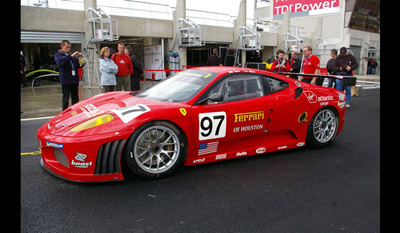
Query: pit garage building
(167, 34)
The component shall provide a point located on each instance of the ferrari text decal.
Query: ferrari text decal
(212, 125)
(249, 116)
(131, 112)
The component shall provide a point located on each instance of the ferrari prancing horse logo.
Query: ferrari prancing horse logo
(183, 111)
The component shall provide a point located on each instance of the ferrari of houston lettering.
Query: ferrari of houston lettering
(197, 116)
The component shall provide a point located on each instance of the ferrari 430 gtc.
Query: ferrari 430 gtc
(197, 116)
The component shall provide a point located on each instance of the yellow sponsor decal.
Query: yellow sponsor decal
(249, 116)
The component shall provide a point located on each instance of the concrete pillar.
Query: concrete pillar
(240, 22)
(91, 69)
(316, 34)
(285, 28)
(180, 12)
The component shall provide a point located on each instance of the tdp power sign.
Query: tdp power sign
(299, 8)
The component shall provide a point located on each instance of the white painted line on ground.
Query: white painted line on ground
(37, 118)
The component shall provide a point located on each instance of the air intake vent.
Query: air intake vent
(109, 157)
(298, 92)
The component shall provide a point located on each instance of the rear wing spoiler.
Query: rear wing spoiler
(347, 80)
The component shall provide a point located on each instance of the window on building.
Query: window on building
(366, 16)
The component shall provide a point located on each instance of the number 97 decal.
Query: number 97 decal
(212, 125)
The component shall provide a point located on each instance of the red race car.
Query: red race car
(198, 116)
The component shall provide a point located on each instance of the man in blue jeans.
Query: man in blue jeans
(344, 65)
(68, 65)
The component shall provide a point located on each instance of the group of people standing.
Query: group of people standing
(343, 64)
(121, 70)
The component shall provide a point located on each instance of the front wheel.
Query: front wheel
(322, 128)
(155, 150)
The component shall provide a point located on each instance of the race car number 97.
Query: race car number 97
(212, 125)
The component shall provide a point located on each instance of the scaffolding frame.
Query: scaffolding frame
(249, 39)
(190, 34)
(102, 27)
(324, 46)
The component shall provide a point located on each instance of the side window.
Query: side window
(241, 87)
(272, 85)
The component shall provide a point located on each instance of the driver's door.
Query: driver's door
(239, 121)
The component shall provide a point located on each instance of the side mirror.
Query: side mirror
(215, 97)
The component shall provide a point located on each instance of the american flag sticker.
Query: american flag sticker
(208, 148)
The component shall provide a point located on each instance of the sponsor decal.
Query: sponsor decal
(221, 156)
(282, 147)
(90, 110)
(81, 161)
(199, 160)
(241, 153)
(261, 150)
(300, 144)
(183, 111)
(55, 145)
(302, 117)
(311, 97)
(248, 128)
(342, 97)
(208, 148)
(325, 98)
(341, 104)
(207, 75)
(249, 116)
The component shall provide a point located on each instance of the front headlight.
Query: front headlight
(100, 120)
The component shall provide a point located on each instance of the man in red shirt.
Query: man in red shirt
(281, 64)
(125, 68)
(310, 66)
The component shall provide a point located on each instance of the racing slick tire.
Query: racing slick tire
(155, 149)
(322, 128)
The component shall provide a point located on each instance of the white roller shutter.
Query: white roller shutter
(50, 37)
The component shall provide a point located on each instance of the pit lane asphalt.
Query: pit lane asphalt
(336, 189)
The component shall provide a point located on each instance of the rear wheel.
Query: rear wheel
(155, 150)
(322, 128)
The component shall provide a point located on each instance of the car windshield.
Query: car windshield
(180, 87)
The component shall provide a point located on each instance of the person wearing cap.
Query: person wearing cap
(310, 66)
(344, 65)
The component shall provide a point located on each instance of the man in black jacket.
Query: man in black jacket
(214, 60)
(344, 65)
(295, 64)
(137, 73)
(330, 68)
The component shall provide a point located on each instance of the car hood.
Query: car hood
(122, 105)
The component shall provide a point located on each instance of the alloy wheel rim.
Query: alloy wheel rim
(156, 149)
(325, 125)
